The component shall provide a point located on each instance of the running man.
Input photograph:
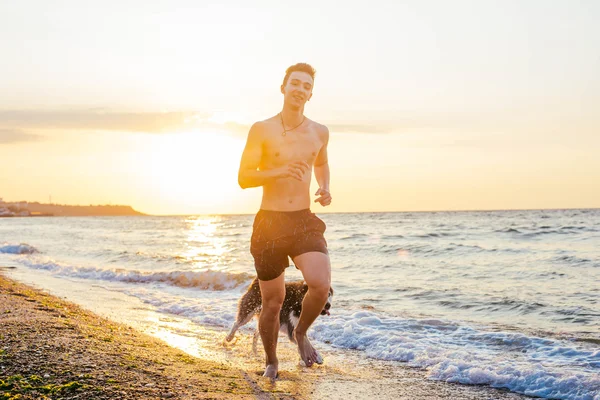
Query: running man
(280, 154)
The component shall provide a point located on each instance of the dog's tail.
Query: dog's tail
(255, 285)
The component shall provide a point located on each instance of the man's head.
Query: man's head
(298, 84)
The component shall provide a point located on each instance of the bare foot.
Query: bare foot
(307, 352)
(271, 371)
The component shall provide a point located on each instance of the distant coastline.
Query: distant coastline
(27, 209)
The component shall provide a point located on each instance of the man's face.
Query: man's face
(298, 89)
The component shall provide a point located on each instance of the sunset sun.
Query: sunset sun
(190, 168)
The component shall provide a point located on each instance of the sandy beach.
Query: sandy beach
(51, 349)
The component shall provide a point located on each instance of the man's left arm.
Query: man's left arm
(322, 172)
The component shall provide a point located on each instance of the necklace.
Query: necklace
(285, 131)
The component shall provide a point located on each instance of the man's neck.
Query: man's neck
(292, 117)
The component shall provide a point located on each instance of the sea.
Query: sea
(508, 299)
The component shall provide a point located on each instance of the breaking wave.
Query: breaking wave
(534, 366)
(206, 280)
(22, 248)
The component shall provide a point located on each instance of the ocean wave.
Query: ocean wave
(574, 260)
(545, 230)
(457, 300)
(450, 352)
(427, 249)
(518, 306)
(354, 236)
(433, 234)
(206, 280)
(435, 294)
(411, 248)
(22, 248)
(392, 237)
(470, 247)
(162, 258)
(508, 230)
(548, 232)
(577, 228)
(203, 310)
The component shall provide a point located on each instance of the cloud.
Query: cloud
(9, 136)
(472, 125)
(147, 122)
(358, 128)
(100, 119)
(97, 119)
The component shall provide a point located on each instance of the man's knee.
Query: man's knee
(319, 289)
(272, 305)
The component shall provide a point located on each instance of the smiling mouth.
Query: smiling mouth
(298, 98)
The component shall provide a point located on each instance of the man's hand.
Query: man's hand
(295, 170)
(325, 198)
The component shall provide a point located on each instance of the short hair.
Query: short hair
(300, 67)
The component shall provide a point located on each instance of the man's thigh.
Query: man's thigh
(315, 267)
(273, 290)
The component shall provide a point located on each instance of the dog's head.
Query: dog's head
(327, 306)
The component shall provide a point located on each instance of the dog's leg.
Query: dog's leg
(255, 341)
(241, 321)
(290, 332)
(231, 333)
(291, 326)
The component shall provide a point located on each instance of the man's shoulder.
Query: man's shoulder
(264, 124)
(320, 128)
(258, 125)
(259, 128)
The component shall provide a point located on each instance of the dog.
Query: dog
(250, 305)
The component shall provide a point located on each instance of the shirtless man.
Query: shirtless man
(279, 155)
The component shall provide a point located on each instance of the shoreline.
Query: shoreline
(63, 349)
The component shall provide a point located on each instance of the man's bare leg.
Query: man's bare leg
(273, 294)
(316, 269)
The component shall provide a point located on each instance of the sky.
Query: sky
(431, 105)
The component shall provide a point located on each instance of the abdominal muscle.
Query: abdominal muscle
(287, 194)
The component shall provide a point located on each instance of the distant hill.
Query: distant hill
(33, 209)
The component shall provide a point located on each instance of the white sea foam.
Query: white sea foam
(17, 249)
(208, 279)
(450, 352)
(201, 309)
(457, 353)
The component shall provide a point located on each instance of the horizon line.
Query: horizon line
(335, 212)
(398, 212)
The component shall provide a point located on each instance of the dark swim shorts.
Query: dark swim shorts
(279, 234)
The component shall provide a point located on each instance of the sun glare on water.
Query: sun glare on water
(203, 247)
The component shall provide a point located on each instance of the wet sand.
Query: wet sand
(51, 349)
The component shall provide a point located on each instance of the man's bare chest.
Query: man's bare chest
(295, 146)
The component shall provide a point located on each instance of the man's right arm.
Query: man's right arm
(250, 176)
